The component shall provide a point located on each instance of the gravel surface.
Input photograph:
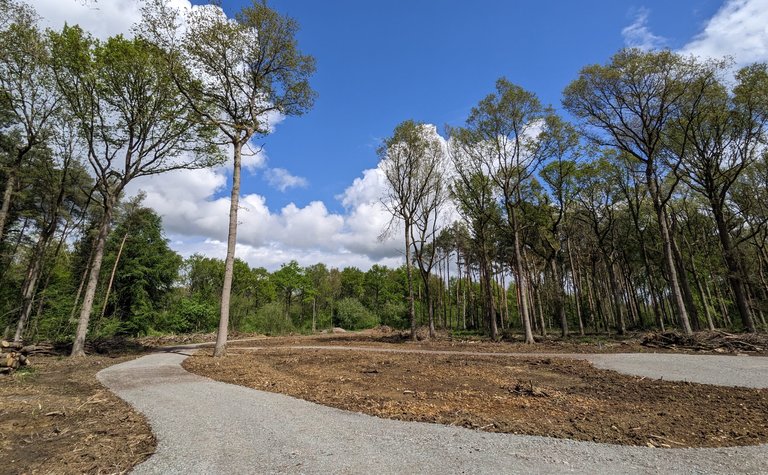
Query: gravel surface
(203, 426)
(745, 371)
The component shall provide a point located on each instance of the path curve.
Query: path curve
(205, 426)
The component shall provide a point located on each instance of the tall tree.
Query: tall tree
(629, 104)
(412, 160)
(238, 74)
(502, 133)
(725, 134)
(558, 145)
(132, 122)
(28, 98)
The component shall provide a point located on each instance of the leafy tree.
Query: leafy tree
(629, 104)
(28, 98)
(132, 122)
(720, 135)
(413, 163)
(289, 281)
(237, 73)
(146, 271)
(352, 315)
(501, 134)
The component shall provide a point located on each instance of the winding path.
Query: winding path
(204, 426)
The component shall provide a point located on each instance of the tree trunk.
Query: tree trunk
(428, 302)
(618, 310)
(409, 278)
(522, 284)
(314, 314)
(669, 262)
(10, 185)
(490, 308)
(734, 270)
(576, 287)
(685, 286)
(229, 263)
(559, 298)
(78, 347)
(112, 276)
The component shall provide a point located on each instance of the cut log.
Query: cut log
(11, 345)
(37, 350)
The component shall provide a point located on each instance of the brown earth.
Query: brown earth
(700, 343)
(57, 418)
(536, 396)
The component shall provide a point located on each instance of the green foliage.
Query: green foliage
(352, 315)
(269, 320)
(145, 273)
(394, 314)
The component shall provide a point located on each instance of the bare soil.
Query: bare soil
(57, 418)
(700, 343)
(538, 396)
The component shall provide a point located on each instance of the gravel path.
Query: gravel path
(204, 426)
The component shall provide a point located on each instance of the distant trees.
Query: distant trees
(610, 225)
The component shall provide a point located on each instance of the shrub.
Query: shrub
(352, 315)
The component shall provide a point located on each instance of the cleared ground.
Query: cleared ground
(59, 419)
(546, 396)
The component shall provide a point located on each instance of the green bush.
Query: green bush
(270, 320)
(191, 314)
(352, 315)
(394, 314)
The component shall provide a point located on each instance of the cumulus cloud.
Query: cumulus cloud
(103, 18)
(638, 35)
(281, 179)
(194, 204)
(196, 220)
(739, 30)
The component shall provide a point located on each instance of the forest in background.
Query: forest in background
(649, 212)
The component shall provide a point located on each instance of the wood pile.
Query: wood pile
(717, 341)
(14, 355)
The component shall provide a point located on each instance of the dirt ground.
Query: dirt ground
(537, 396)
(57, 418)
(704, 342)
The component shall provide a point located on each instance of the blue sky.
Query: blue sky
(382, 62)
(315, 197)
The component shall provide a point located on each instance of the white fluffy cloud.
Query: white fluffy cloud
(194, 204)
(739, 30)
(281, 179)
(103, 18)
(638, 35)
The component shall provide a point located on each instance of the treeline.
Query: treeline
(649, 212)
